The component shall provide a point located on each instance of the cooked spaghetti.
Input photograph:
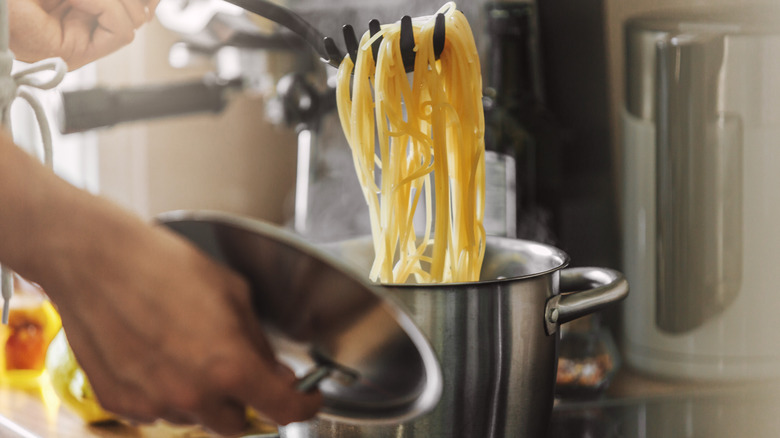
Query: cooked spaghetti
(419, 140)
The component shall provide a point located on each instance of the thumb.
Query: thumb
(277, 397)
(274, 394)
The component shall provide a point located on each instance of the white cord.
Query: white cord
(13, 86)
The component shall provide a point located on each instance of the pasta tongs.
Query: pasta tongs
(326, 47)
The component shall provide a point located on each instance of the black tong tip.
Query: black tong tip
(407, 41)
(373, 28)
(439, 35)
(350, 40)
(334, 54)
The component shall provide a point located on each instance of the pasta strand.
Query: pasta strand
(419, 142)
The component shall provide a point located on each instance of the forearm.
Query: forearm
(47, 226)
(160, 329)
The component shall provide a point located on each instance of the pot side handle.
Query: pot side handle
(595, 289)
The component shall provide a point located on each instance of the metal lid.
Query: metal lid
(320, 316)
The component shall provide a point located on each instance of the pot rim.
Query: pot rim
(544, 249)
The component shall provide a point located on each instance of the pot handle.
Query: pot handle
(596, 288)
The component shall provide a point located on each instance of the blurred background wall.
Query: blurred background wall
(233, 161)
(236, 161)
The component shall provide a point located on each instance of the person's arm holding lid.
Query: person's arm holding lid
(160, 330)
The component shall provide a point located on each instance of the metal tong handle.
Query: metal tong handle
(324, 46)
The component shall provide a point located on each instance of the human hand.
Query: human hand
(163, 332)
(78, 31)
(160, 329)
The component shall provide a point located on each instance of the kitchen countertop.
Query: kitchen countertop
(634, 406)
(35, 414)
(638, 406)
(38, 413)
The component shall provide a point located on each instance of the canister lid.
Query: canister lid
(644, 32)
(733, 20)
(321, 317)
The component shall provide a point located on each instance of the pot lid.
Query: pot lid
(323, 319)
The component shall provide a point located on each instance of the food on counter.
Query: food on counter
(25, 347)
(73, 389)
(71, 384)
(32, 324)
(586, 372)
(258, 425)
(430, 143)
(588, 359)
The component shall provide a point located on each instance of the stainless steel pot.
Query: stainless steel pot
(496, 341)
(466, 360)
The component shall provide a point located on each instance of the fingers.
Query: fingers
(111, 15)
(118, 16)
(79, 27)
(278, 397)
(83, 40)
(151, 7)
(202, 370)
(137, 11)
(111, 24)
(255, 379)
(79, 31)
(224, 417)
(251, 324)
